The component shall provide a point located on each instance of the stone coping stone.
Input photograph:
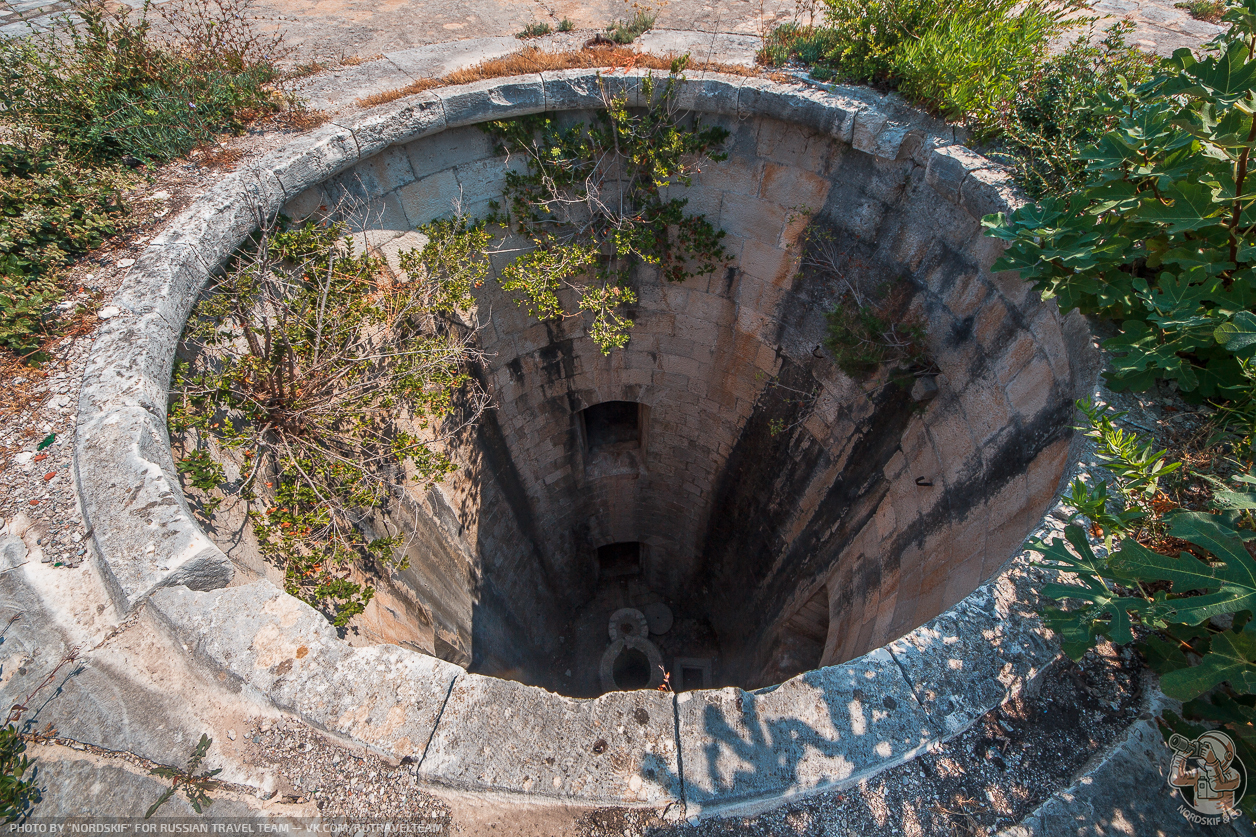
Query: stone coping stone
(618, 749)
(821, 730)
(714, 749)
(973, 657)
(382, 695)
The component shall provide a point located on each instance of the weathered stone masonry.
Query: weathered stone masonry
(896, 512)
(835, 503)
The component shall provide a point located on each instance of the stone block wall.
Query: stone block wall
(898, 510)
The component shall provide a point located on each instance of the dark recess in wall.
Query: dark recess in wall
(612, 423)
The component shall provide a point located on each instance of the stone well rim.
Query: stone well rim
(155, 552)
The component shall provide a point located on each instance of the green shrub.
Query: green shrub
(1065, 104)
(309, 357)
(19, 790)
(80, 102)
(863, 340)
(51, 212)
(969, 61)
(534, 30)
(1160, 237)
(110, 89)
(627, 31)
(565, 25)
(792, 42)
(937, 44)
(1209, 11)
(596, 202)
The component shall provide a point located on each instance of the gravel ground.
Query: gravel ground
(344, 784)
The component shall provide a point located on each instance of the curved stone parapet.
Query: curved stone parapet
(702, 751)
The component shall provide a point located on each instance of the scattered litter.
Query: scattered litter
(108, 311)
(125, 262)
(46, 443)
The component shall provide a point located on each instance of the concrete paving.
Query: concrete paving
(331, 31)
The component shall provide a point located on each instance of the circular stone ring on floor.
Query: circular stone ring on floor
(628, 622)
(972, 636)
(631, 662)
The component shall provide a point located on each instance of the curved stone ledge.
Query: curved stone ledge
(711, 750)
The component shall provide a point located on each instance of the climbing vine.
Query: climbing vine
(596, 200)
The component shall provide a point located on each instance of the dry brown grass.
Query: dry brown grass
(533, 60)
(302, 119)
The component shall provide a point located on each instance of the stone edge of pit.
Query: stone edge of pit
(148, 547)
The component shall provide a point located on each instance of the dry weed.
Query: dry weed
(218, 156)
(533, 60)
(302, 119)
(21, 388)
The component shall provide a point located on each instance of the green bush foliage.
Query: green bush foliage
(1209, 11)
(627, 31)
(595, 203)
(80, 103)
(1160, 237)
(968, 61)
(330, 379)
(953, 53)
(19, 789)
(863, 340)
(51, 212)
(1065, 104)
(534, 30)
(110, 90)
(1181, 583)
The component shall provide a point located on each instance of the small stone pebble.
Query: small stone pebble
(109, 311)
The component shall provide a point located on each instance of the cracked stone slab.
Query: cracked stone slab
(972, 658)
(717, 47)
(439, 60)
(383, 695)
(75, 786)
(821, 730)
(619, 749)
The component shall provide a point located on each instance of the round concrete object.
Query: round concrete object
(631, 663)
(628, 622)
(658, 616)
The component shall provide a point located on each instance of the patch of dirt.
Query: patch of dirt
(346, 785)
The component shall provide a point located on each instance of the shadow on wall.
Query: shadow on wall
(826, 730)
